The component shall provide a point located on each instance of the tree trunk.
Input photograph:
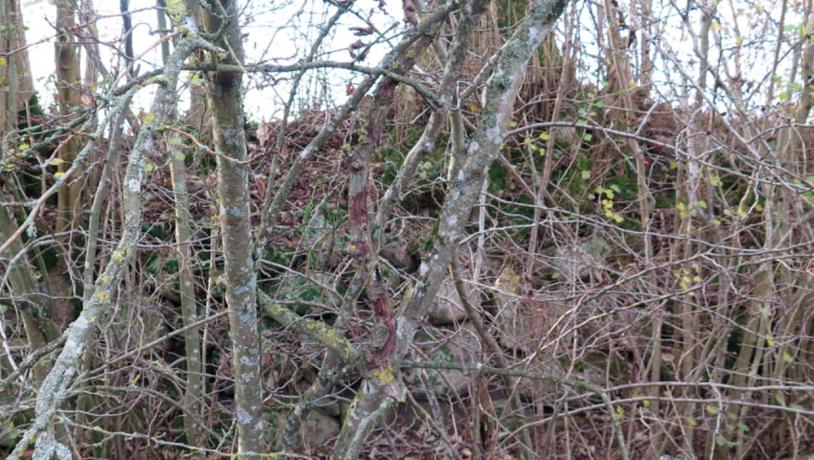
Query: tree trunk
(68, 83)
(224, 94)
(15, 70)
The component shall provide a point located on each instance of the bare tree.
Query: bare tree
(455, 228)
(224, 100)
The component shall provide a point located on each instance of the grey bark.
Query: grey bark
(193, 394)
(224, 95)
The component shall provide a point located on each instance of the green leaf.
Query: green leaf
(544, 136)
(711, 410)
(56, 161)
(743, 427)
(585, 175)
(195, 79)
(587, 137)
(175, 139)
(723, 442)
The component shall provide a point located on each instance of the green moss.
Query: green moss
(176, 9)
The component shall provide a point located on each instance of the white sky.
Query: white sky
(272, 34)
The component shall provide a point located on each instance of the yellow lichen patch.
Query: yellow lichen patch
(384, 375)
(103, 296)
(177, 9)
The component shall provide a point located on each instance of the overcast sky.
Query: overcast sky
(270, 30)
(283, 34)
